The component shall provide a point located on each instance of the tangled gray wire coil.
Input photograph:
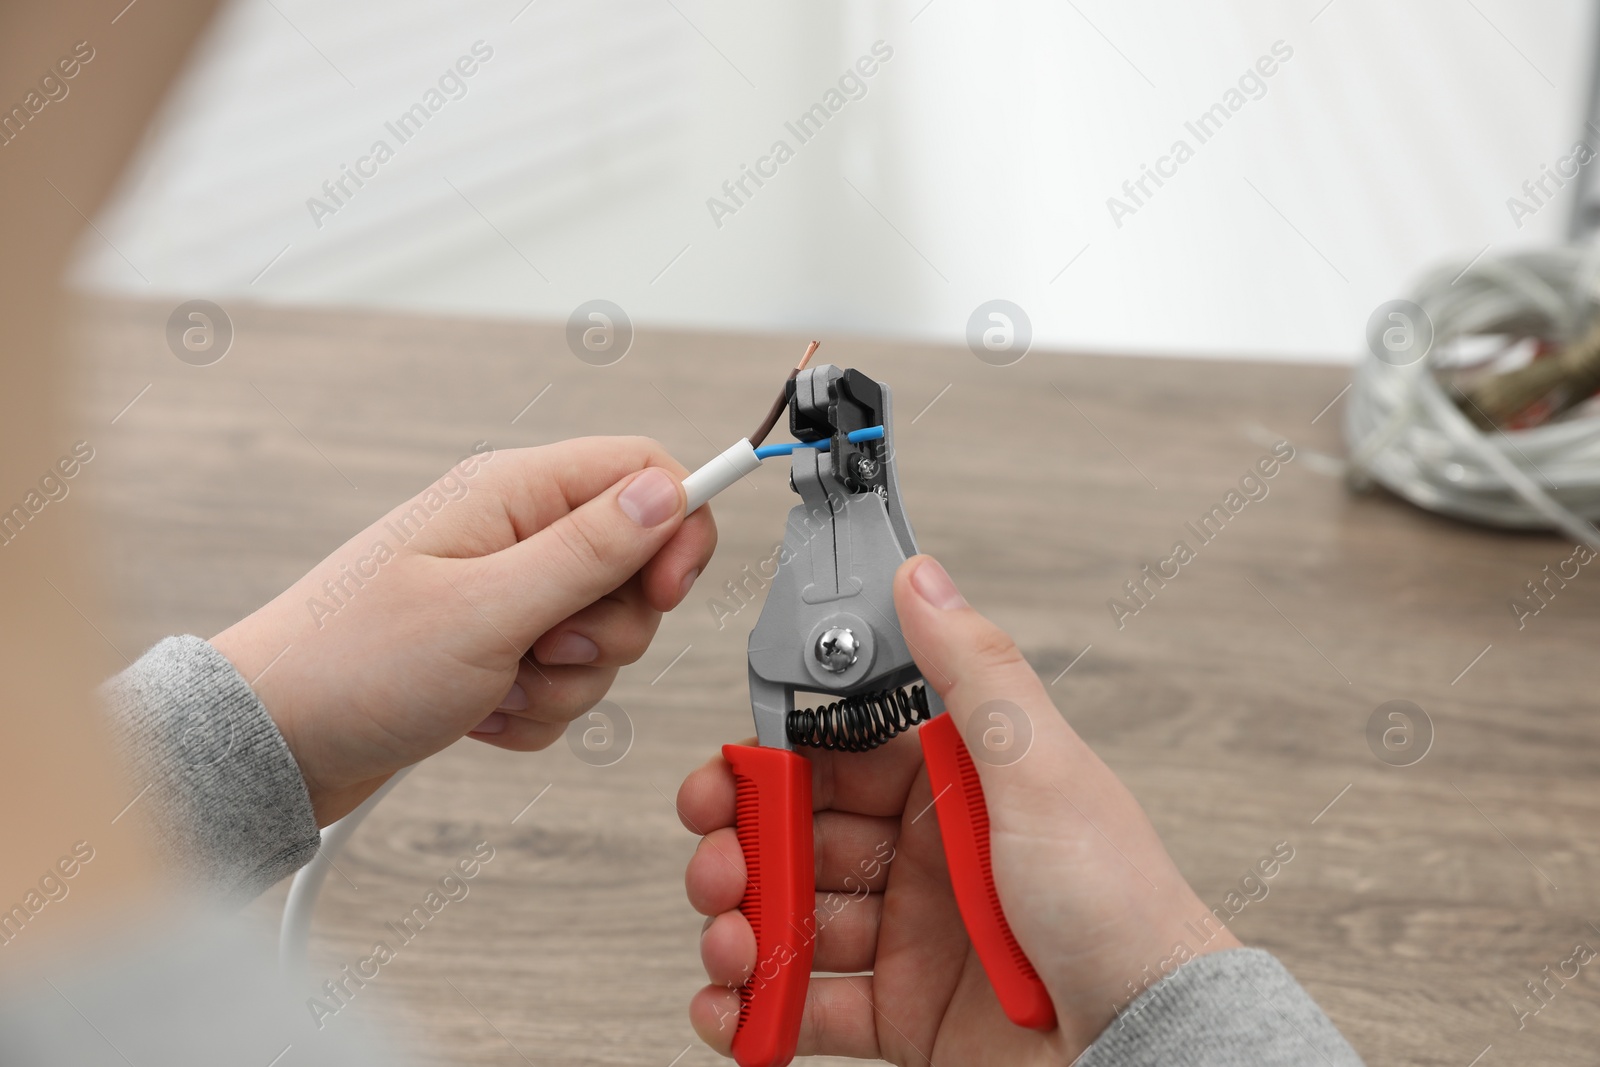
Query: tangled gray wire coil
(1405, 432)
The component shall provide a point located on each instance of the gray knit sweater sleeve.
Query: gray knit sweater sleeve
(1236, 1008)
(227, 804)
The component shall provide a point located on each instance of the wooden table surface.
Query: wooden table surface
(1236, 705)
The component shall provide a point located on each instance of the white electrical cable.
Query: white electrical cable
(734, 463)
(294, 936)
(1407, 434)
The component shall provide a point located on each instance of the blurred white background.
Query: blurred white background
(977, 165)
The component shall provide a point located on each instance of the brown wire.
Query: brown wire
(783, 398)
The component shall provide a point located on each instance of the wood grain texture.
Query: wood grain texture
(1235, 704)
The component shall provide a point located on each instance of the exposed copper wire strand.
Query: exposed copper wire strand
(783, 397)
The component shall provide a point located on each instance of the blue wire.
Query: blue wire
(871, 433)
(788, 447)
(768, 451)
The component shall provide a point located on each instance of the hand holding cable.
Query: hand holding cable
(498, 604)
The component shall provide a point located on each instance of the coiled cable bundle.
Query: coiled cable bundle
(1406, 428)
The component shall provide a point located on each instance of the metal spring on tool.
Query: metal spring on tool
(859, 723)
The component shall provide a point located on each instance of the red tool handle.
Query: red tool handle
(964, 826)
(773, 819)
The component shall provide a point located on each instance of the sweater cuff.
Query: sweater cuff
(227, 803)
(1235, 1008)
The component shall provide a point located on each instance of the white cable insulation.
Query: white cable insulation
(294, 936)
(1407, 434)
(734, 463)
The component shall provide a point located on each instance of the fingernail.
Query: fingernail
(571, 648)
(494, 724)
(707, 925)
(650, 499)
(687, 583)
(515, 699)
(930, 580)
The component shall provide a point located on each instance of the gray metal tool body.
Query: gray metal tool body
(829, 623)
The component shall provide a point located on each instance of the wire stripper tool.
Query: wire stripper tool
(829, 627)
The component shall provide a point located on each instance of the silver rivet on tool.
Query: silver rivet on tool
(837, 649)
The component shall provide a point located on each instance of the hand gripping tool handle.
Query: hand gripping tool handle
(773, 820)
(964, 827)
(828, 626)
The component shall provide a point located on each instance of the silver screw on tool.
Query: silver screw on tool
(837, 649)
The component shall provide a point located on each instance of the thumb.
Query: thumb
(1018, 741)
(590, 551)
(1040, 779)
(1086, 884)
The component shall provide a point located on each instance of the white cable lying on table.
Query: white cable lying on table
(1405, 433)
(295, 934)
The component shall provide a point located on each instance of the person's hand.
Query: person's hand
(497, 604)
(1088, 888)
